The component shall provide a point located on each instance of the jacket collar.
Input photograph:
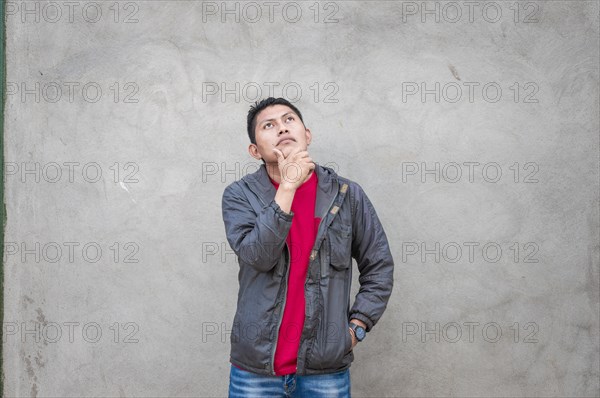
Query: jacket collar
(327, 183)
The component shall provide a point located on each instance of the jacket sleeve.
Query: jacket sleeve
(257, 239)
(371, 250)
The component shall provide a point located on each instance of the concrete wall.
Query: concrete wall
(118, 277)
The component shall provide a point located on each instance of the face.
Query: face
(278, 126)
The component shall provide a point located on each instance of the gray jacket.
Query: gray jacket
(256, 230)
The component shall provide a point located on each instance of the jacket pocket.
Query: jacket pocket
(333, 343)
(340, 245)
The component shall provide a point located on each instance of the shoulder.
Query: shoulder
(357, 197)
(240, 186)
(355, 193)
(331, 173)
(234, 190)
(354, 187)
(232, 187)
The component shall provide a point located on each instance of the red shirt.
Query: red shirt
(300, 240)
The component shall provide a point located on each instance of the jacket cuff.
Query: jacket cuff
(362, 317)
(282, 214)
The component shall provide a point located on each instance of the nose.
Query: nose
(283, 129)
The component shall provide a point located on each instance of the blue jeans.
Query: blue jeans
(243, 384)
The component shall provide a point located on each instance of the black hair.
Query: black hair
(259, 106)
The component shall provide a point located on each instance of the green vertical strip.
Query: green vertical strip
(2, 205)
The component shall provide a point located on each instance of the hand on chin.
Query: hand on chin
(286, 149)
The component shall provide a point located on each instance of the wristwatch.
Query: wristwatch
(359, 331)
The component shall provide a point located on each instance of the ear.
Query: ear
(253, 151)
(308, 136)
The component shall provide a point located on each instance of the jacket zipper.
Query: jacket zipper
(287, 271)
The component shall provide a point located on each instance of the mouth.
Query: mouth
(286, 141)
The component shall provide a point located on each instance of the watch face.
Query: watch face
(360, 333)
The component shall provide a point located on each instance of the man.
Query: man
(295, 226)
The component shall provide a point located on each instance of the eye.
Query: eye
(267, 125)
(290, 117)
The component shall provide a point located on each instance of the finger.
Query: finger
(309, 166)
(279, 154)
(299, 155)
(295, 151)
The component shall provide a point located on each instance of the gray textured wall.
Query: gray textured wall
(123, 128)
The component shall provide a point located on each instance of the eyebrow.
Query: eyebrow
(268, 120)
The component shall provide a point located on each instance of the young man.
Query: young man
(295, 226)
